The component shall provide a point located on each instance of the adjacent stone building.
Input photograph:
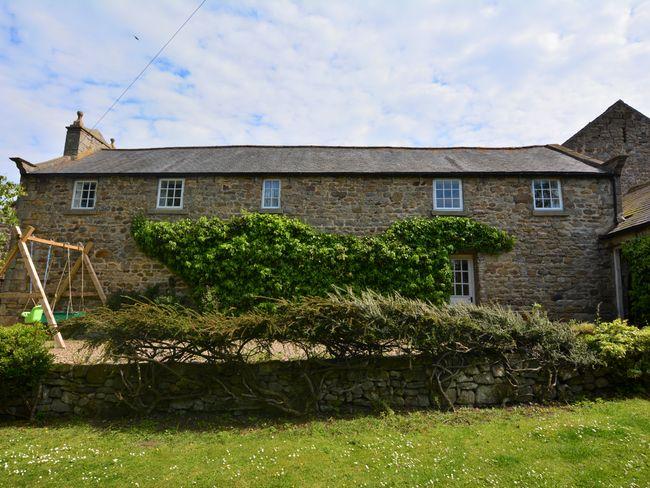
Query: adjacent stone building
(622, 129)
(556, 202)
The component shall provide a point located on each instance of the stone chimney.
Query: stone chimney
(81, 141)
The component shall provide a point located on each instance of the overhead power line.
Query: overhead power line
(148, 64)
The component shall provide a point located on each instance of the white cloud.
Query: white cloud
(335, 72)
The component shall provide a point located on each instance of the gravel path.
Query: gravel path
(74, 353)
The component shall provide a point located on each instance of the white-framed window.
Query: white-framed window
(170, 192)
(84, 195)
(271, 194)
(447, 194)
(547, 195)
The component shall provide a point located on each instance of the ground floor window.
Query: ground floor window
(463, 279)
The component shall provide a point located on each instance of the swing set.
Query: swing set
(45, 307)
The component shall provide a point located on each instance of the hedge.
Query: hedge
(346, 325)
(342, 325)
(246, 260)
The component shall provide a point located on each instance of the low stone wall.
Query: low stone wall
(300, 386)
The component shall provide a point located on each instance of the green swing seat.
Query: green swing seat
(61, 316)
(33, 316)
(36, 315)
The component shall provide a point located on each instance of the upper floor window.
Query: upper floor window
(447, 195)
(84, 195)
(547, 195)
(271, 194)
(170, 193)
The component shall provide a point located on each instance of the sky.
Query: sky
(403, 73)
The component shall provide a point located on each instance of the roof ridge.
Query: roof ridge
(312, 146)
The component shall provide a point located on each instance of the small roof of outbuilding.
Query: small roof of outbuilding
(327, 160)
(636, 211)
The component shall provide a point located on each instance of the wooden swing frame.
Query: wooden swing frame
(84, 259)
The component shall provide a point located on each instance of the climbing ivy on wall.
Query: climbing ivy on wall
(247, 259)
(636, 253)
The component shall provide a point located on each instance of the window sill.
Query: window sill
(458, 213)
(271, 210)
(81, 211)
(551, 213)
(168, 211)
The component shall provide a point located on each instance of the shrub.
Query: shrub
(637, 254)
(348, 325)
(250, 259)
(171, 333)
(24, 361)
(342, 325)
(619, 346)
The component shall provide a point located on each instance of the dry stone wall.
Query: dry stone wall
(558, 260)
(397, 383)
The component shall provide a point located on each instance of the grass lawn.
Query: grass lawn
(591, 444)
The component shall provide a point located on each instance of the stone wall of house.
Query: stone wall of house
(398, 383)
(558, 260)
(619, 130)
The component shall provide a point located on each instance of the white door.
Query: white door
(463, 279)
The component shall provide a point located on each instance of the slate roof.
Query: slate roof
(549, 159)
(636, 210)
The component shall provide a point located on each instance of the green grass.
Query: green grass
(591, 444)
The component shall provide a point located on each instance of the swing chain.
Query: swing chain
(69, 307)
(83, 263)
(47, 267)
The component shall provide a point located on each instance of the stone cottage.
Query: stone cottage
(557, 202)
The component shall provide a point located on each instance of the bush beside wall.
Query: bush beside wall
(623, 348)
(24, 362)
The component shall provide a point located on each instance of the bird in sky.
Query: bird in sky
(136, 37)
